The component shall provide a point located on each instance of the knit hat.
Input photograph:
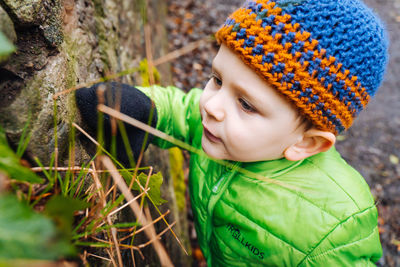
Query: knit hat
(328, 57)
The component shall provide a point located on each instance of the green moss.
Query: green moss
(26, 12)
(32, 96)
(70, 80)
(176, 162)
(71, 106)
(145, 75)
(52, 29)
(27, 106)
(98, 7)
(53, 33)
(106, 43)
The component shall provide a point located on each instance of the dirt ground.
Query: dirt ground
(372, 145)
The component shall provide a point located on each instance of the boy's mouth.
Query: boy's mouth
(210, 136)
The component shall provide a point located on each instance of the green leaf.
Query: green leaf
(61, 209)
(155, 183)
(9, 163)
(6, 47)
(24, 234)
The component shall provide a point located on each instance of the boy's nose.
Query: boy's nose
(215, 107)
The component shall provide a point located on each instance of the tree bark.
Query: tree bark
(65, 43)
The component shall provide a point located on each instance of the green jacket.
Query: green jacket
(322, 215)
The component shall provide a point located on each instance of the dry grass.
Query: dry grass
(98, 215)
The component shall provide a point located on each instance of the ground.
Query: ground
(372, 145)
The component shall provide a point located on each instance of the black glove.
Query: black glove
(133, 103)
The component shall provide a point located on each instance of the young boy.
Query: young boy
(289, 76)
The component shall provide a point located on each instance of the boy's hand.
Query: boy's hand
(132, 102)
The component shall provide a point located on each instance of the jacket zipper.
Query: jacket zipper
(217, 186)
(216, 192)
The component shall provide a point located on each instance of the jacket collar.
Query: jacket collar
(274, 168)
(271, 168)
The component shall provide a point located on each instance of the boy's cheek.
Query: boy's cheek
(203, 98)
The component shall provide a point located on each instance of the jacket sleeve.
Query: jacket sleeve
(178, 112)
(353, 242)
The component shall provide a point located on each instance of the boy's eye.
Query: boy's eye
(216, 79)
(246, 106)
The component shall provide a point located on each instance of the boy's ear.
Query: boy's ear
(313, 142)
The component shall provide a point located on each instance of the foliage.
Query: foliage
(9, 163)
(24, 234)
(6, 47)
(72, 189)
(61, 209)
(60, 225)
(154, 185)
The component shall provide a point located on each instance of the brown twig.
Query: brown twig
(137, 123)
(83, 258)
(72, 169)
(136, 169)
(85, 133)
(156, 237)
(115, 240)
(101, 240)
(111, 189)
(144, 227)
(181, 51)
(127, 203)
(100, 257)
(133, 257)
(60, 169)
(98, 185)
(149, 54)
(103, 201)
(111, 257)
(150, 232)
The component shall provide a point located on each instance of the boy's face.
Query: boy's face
(244, 118)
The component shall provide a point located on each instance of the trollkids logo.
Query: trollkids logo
(236, 234)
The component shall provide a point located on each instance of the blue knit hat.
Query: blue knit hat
(328, 57)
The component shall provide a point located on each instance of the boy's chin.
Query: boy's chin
(212, 151)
